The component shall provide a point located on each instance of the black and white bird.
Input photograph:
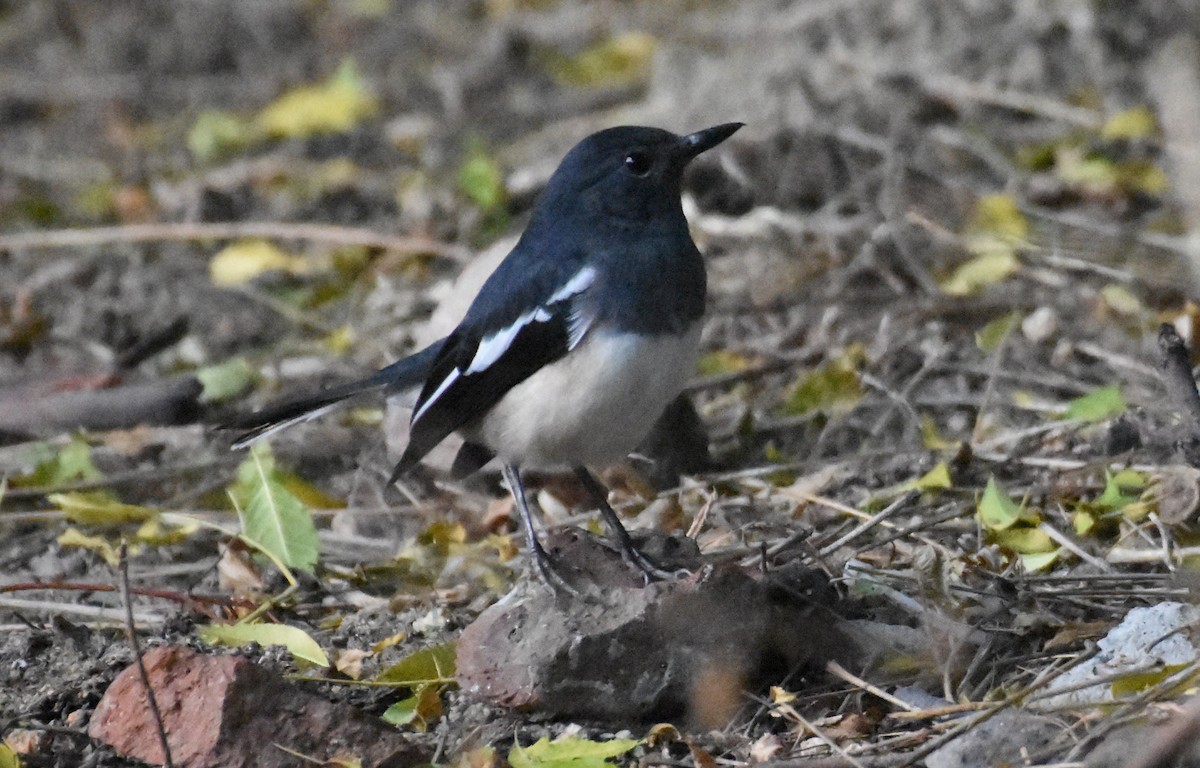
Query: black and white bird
(576, 343)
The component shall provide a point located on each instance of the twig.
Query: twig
(837, 670)
(1065, 542)
(75, 609)
(877, 519)
(131, 634)
(226, 230)
(1175, 369)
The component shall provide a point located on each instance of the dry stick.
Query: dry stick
(230, 230)
(1175, 368)
(131, 633)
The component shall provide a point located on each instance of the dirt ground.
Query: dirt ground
(939, 257)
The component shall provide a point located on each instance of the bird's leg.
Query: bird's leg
(628, 549)
(541, 558)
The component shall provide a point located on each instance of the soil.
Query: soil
(842, 362)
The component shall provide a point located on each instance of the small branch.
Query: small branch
(131, 634)
(231, 230)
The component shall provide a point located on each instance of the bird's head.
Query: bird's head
(628, 173)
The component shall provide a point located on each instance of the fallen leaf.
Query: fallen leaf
(239, 263)
(1133, 123)
(226, 380)
(1096, 406)
(569, 752)
(996, 510)
(619, 60)
(298, 642)
(272, 517)
(99, 508)
(333, 107)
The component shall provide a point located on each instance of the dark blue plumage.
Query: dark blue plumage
(581, 336)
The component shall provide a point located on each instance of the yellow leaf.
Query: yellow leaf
(334, 107)
(721, 361)
(297, 641)
(1135, 123)
(73, 537)
(931, 436)
(8, 757)
(1136, 682)
(1025, 541)
(938, 477)
(341, 340)
(989, 337)
(1038, 561)
(981, 271)
(241, 262)
(1121, 300)
(99, 508)
(999, 215)
(620, 60)
(833, 387)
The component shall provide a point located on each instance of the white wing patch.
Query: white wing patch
(446, 382)
(578, 284)
(494, 345)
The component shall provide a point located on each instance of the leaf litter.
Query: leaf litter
(1049, 492)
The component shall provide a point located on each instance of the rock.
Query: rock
(1159, 636)
(225, 711)
(1006, 739)
(626, 650)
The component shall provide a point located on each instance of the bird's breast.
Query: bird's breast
(593, 406)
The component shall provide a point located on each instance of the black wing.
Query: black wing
(476, 370)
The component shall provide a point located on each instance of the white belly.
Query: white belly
(593, 406)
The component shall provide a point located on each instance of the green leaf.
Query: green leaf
(996, 510)
(481, 179)
(225, 380)
(1100, 405)
(434, 664)
(217, 133)
(298, 642)
(272, 518)
(1112, 498)
(69, 464)
(833, 387)
(569, 752)
(938, 477)
(99, 508)
(1039, 561)
(418, 710)
(1082, 522)
(991, 336)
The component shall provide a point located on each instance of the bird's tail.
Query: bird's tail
(403, 374)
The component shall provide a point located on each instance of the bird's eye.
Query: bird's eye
(638, 163)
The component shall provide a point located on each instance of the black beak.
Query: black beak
(702, 141)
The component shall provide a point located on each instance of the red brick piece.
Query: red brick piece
(226, 711)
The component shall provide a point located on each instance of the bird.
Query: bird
(577, 341)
